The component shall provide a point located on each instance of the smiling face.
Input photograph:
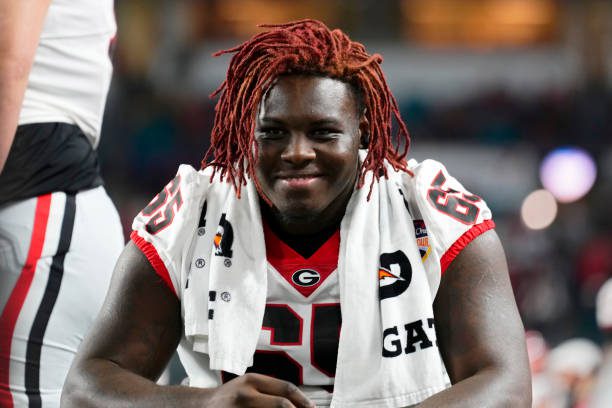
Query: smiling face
(308, 132)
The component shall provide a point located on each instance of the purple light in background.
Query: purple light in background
(568, 173)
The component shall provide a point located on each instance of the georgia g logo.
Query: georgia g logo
(394, 274)
(224, 238)
(306, 277)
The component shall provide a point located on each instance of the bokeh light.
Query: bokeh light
(568, 173)
(539, 209)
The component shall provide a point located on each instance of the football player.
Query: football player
(308, 262)
(60, 234)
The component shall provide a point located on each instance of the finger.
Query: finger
(273, 386)
(271, 401)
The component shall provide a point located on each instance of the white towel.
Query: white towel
(225, 303)
(375, 234)
(379, 234)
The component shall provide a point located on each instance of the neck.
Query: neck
(305, 243)
(287, 227)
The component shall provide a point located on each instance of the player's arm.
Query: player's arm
(133, 339)
(480, 333)
(21, 23)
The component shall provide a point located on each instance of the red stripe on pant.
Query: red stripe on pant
(10, 314)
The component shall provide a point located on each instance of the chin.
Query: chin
(298, 214)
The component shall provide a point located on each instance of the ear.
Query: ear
(364, 131)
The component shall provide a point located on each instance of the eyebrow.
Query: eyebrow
(320, 122)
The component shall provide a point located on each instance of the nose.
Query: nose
(299, 150)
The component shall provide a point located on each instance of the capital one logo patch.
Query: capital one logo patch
(224, 238)
(306, 277)
(394, 274)
(420, 232)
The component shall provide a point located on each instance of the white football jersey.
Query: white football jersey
(71, 73)
(302, 320)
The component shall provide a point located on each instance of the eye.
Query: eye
(270, 133)
(325, 133)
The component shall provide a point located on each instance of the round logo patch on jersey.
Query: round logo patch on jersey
(306, 277)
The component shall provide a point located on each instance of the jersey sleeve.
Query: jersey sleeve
(452, 215)
(164, 229)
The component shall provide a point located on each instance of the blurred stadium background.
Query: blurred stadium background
(514, 96)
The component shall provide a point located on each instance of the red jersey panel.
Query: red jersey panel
(301, 327)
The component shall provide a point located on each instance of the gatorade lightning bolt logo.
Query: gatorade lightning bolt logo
(224, 238)
(384, 273)
(394, 274)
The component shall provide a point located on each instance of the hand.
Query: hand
(259, 391)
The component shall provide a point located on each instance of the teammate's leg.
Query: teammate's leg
(82, 241)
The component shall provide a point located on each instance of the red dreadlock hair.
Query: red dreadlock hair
(304, 47)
